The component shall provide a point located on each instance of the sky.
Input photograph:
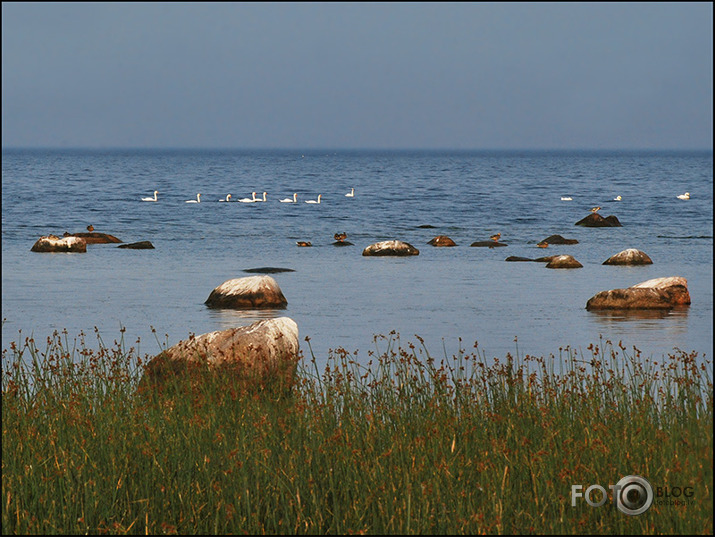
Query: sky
(358, 75)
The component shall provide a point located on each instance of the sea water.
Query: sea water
(451, 297)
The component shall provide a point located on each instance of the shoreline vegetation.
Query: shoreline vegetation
(406, 444)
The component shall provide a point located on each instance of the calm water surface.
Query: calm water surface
(450, 297)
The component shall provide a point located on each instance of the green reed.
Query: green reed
(395, 442)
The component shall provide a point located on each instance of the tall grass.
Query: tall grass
(397, 442)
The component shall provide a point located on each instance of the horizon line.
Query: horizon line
(351, 149)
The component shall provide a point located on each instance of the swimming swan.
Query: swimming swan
(350, 194)
(152, 199)
(685, 196)
(228, 198)
(261, 200)
(617, 198)
(249, 200)
(315, 201)
(197, 200)
(566, 198)
(294, 199)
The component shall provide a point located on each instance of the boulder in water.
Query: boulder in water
(261, 355)
(386, 248)
(442, 240)
(563, 261)
(659, 293)
(251, 292)
(53, 244)
(631, 256)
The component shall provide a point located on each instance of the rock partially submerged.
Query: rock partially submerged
(97, 238)
(659, 293)
(396, 248)
(442, 240)
(488, 244)
(537, 260)
(262, 355)
(631, 256)
(516, 258)
(251, 292)
(563, 261)
(141, 245)
(558, 239)
(268, 270)
(596, 220)
(53, 244)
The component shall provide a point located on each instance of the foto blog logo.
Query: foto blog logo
(632, 495)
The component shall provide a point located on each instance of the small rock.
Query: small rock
(97, 238)
(268, 270)
(488, 244)
(141, 245)
(563, 261)
(630, 256)
(386, 248)
(558, 239)
(596, 220)
(442, 240)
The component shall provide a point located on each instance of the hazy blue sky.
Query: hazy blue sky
(362, 75)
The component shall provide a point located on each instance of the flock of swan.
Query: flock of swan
(685, 196)
(253, 198)
(351, 194)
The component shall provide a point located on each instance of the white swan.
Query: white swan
(315, 201)
(261, 200)
(685, 196)
(350, 194)
(249, 200)
(617, 198)
(152, 199)
(228, 198)
(566, 198)
(294, 199)
(197, 200)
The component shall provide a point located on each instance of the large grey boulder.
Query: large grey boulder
(251, 292)
(631, 256)
(659, 293)
(53, 244)
(397, 248)
(261, 355)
